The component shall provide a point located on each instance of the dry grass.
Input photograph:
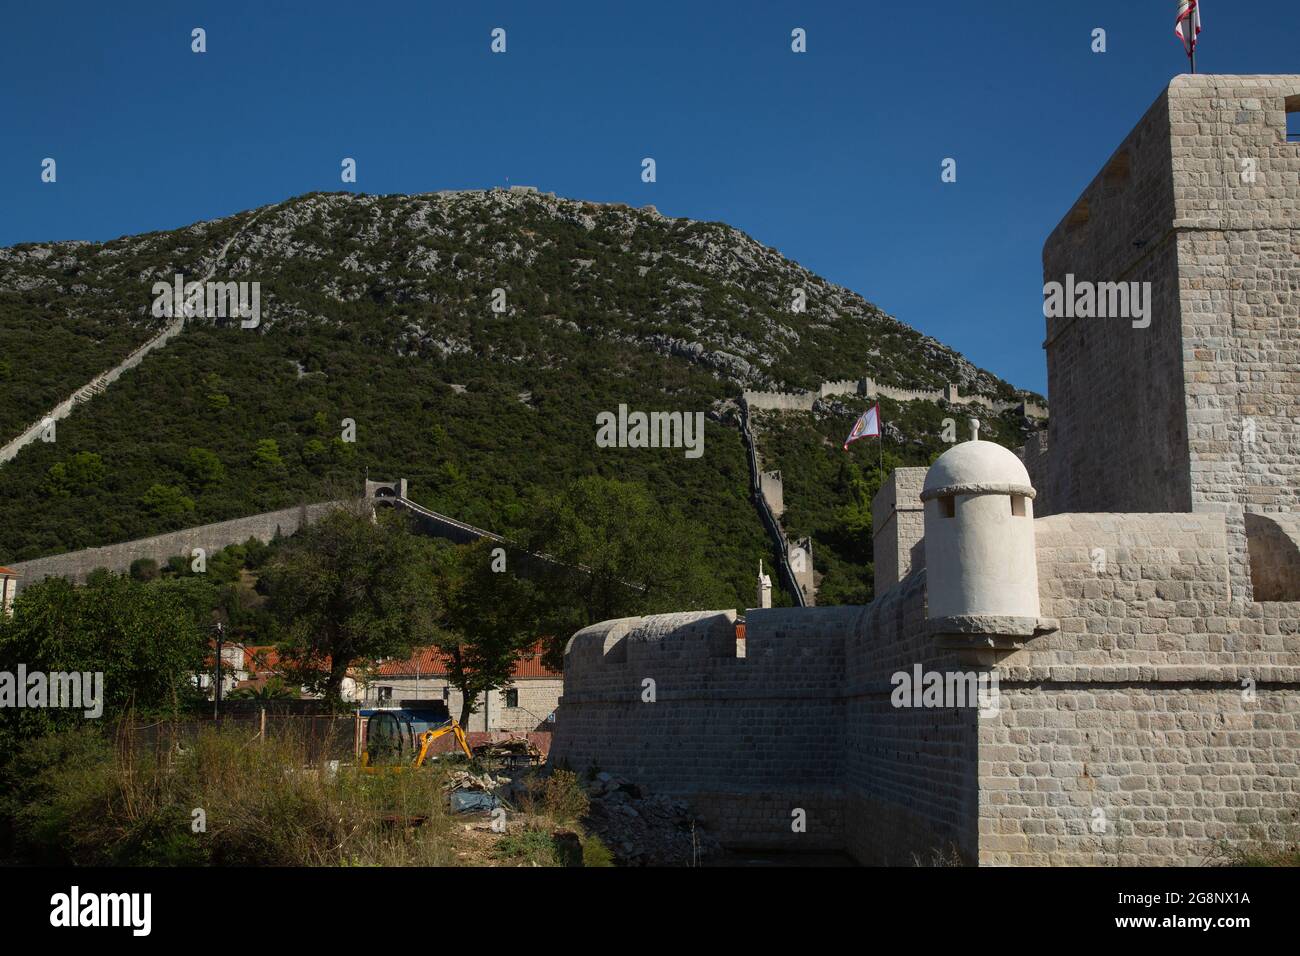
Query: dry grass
(222, 798)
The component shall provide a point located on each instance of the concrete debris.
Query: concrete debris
(643, 829)
(514, 752)
(470, 792)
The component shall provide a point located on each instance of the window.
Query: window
(948, 506)
(1293, 119)
(446, 692)
(385, 694)
(512, 697)
(1018, 505)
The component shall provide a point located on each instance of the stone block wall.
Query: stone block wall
(801, 722)
(909, 774)
(773, 492)
(1120, 230)
(747, 740)
(211, 537)
(898, 525)
(1163, 715)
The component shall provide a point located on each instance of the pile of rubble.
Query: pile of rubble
(642, 829)
(470, 792)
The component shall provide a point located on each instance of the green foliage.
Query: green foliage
(71, 799)
(203, 467)
(274, 689)
(563, 798)
(144, 569)
(487, 618)
(384, 342)
(637, 557)
(167, 501)
(79, 474)
(348, 590)
(595, 853)
(146, 639)
(266, 455)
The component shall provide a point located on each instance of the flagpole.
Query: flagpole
(880, 426)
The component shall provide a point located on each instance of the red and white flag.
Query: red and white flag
(1188, 25)
(866, 426)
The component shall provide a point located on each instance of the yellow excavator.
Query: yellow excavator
(400, 738)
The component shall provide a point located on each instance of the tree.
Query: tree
(266, 455)
(147, 639)
(80, 473)
(167, 501)
(203, 467)
(488, 618)
(274, 689)
(351, 589)
(613, 552)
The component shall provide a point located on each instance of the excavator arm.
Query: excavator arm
(429, 736)
(399, 739)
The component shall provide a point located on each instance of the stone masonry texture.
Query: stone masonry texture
(1155, 718)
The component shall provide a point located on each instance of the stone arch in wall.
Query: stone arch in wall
(1273, 541)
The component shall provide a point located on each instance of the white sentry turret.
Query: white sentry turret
(981, 566)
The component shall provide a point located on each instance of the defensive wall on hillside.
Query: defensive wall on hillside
(868, 388)
(76, 565)
(88, 391)
(117, 558)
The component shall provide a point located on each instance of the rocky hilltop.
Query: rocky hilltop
(380, 309)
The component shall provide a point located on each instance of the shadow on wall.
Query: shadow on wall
(1274, 544)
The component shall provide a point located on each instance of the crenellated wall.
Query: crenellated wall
(804, 401)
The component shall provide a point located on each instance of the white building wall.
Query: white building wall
(537, 699)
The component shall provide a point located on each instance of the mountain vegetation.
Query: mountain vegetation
(464, 341)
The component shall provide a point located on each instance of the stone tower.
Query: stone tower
(1194, 406)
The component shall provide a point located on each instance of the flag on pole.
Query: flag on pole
(1188, 25)
(866, 426)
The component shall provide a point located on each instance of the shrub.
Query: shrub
(563, 799)
(218, 797)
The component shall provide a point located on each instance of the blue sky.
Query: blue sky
(832, 157)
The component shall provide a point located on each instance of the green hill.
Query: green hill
(379, 310)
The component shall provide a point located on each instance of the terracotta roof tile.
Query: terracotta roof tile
(432, 662)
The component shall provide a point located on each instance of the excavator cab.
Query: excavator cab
(400, 738)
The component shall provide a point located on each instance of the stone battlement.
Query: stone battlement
(868, 387)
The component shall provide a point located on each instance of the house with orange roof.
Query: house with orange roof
(526, 703)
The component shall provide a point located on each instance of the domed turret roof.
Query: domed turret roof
(977, 467)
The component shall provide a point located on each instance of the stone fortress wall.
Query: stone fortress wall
(1150, 709)
(117, 558)
(76, 565)
(867, 387)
